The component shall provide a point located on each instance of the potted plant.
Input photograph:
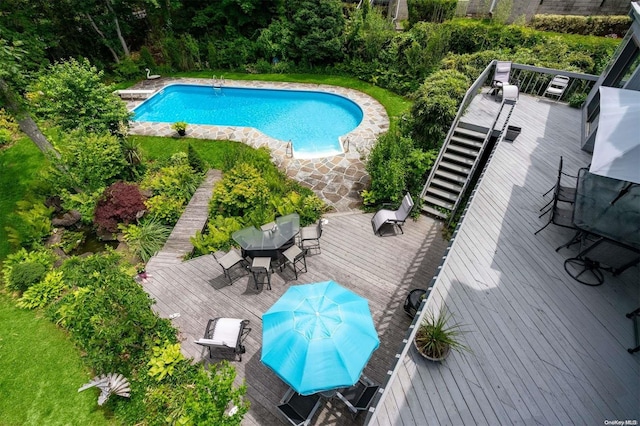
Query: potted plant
(180, 127)
(435, 338)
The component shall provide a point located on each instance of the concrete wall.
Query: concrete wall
(555, 7)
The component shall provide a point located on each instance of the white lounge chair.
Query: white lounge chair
(557, 86)
(500, 77)
(392, 217)
(225, 333)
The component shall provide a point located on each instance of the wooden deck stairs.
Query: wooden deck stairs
(458, 161)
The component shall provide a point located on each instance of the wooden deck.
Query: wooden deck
(382, 269)
(194, 218)
(546, 349)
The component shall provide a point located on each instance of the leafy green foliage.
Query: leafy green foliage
(146, 238)
(431, 10)
(83, 202)
(576, 100)
(88, 162)
(435, 336)
(109, 315)
(8, 128)
(121, 203)
(44, 292)
(25, 268)
(30, 223)
(195, 161)
(240, 191)
(584, 25)
(72, 94)
(164, 360)
(165, 208)
(436, 105)
(218, 235)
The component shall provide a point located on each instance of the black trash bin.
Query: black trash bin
(512, 133)
(413, 301)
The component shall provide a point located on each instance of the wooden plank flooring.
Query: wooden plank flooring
(546, 349)
(194, 218)
(382, 269)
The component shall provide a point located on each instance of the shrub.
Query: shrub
(218, 235)
(146, 238)
(109, 315)
(240, 191)
(121, 203)
(174, 181)
(88, 162)
(164, 360)
(165, 208)
(44, 292)
(31, 223)
(24, 268)
(195, 161)
(584, 25)
(8, 128)
(71, 240)
(72, 94)
(577, 100)
(431, 10)
(436, 106)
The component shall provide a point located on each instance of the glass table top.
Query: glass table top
(285, 228)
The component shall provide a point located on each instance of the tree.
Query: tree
(72, 95)
(316, 31)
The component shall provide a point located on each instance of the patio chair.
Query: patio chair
(225, 334)
(299, 409)
(501, 77)
(228, 261)
(294, 256)
(310, 237)
(566, 194)
(359, 397)
(392, 217)
(560, 216)
(557, 86)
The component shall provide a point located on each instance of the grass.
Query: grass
(19, 166)
(42, 372)
(213, 152)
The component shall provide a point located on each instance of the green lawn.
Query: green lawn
(19, 165)
(41, 374)
(213, 152)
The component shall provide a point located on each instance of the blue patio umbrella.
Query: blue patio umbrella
(318, 337)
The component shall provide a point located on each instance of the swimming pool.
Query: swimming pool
(313, 121)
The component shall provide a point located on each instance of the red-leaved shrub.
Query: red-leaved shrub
(121, 203)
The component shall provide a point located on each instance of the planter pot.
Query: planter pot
(430, 358)
(182, 132)
(512, 133)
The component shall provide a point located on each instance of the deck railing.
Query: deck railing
(534, 80)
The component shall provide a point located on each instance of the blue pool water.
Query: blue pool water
(313, 121)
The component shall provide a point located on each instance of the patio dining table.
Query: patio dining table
(270, 242)
(608, 221)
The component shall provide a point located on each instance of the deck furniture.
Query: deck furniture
(608, 228)
(558, 215)
(228, 261)
(359, 397)
(295, 257)
(566, 194)
(392, 217)
(557, 86)
(501, 77)
(635, 317)
(299, 409)
(225, 334)
(310, 237)
(134, 94)
(270, 242)
(261, 266)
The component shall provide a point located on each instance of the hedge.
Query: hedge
(603, 26)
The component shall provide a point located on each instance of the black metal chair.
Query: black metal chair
(299, 409)
(225, 334)
(228, 261)
(295, 256)
(566, 194)
(310, 237)
(560, 216)
(359, 397)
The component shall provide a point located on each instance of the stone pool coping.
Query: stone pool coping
(337, 179)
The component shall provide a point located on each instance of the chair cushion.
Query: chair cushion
(230, 259)
(503, 68)
(207, 342)
(227, 330)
